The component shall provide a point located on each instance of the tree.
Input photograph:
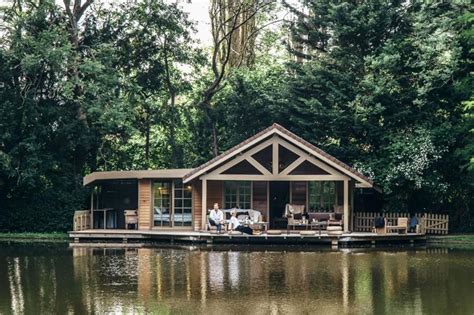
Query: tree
(158, 57)
(379, 88)
(233, 34)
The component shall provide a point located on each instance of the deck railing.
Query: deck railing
(430, 223)
(82, 220)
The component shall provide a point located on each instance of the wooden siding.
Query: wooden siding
(215, 193)
(298, 193)
(197, 205)
(144, 204)
(260, 197)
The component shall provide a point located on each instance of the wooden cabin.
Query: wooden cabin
(264, 172)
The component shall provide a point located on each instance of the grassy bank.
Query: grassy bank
(455, 240)
(31, 236)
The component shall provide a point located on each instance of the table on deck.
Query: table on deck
(310, 225)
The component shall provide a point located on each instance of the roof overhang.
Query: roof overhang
(276, 130)
(141, 174)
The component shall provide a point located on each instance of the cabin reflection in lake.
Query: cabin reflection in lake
(157, 280)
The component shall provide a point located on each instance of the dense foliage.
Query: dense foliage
(384, 85)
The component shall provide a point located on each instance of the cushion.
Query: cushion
(334, 228)
(335, 232)
(235, 233)
(307, 232)
(242, 217)
(318, 216)
(379, 222)
(274, 232)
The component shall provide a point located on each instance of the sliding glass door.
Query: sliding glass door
(172, 205)
(162, 204)
(183, 198)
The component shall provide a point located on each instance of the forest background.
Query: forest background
(90, 85)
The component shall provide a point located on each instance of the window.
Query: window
(183, 199)
(237, 194)
(322, 196)
(162, 204)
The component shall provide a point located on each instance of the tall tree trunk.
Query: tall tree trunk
(233, 26)
(242, 45)
(215, 144)
(83, 148)
(175, 150)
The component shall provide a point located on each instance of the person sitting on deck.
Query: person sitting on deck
(413, 223)
(235, 225)
(216, 218)
(379, 221)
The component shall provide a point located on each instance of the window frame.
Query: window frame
(238, 189)
(326, 192)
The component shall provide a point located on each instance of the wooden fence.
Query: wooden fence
(430, 223)
(82, 220)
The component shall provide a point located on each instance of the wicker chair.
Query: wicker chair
(294, 213)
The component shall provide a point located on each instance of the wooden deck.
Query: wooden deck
(347, 239)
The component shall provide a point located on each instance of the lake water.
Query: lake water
(56, 279)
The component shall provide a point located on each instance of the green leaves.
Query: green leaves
(386, 93)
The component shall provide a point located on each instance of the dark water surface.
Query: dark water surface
(55, 279)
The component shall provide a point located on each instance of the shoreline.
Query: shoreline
(35, 237)
(465, 241)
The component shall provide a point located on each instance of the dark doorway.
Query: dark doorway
(279, 197)
(118, 195)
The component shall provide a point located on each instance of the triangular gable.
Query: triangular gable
(242, 168)
(308, 168)
(278, 141)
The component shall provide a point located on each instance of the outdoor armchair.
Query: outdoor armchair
(294, 213)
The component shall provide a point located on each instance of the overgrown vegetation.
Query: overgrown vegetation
(34, 236)
(385, 86)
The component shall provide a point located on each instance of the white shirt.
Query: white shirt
(234, 222)
(217, 216)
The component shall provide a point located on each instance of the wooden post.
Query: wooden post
(268, 203)
(92, 208)
(346, 205)
(204, 204)
(172, 205)
(352, 206)
(275, 159)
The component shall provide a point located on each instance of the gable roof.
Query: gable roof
(289, 136)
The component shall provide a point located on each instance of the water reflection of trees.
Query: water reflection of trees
(174, 280)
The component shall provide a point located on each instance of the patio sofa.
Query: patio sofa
(242, 216)
(332, 219)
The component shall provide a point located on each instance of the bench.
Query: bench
(401, 227)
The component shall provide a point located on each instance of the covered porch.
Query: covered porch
(319, 199)
(271, 170)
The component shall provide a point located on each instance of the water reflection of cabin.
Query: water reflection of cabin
(264, 172)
